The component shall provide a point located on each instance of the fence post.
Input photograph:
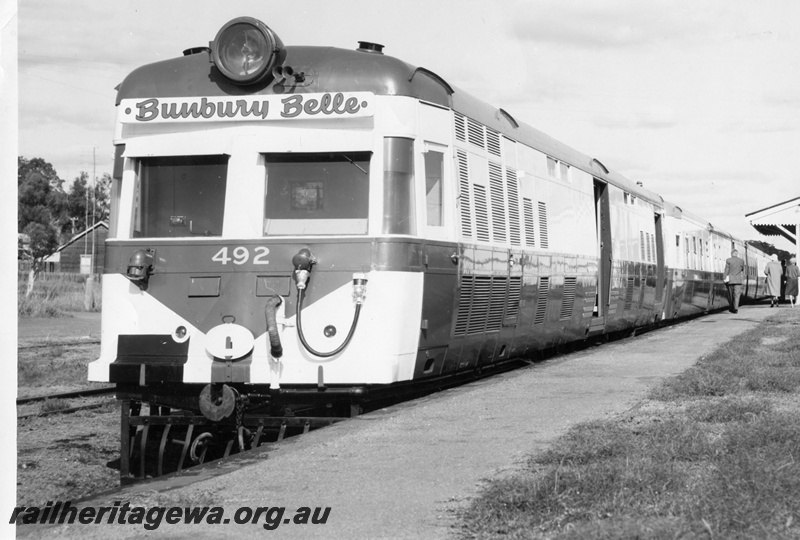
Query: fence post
(88, 295)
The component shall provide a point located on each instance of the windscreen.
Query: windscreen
(317, 194)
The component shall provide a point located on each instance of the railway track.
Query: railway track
(160, 445)
(69, 343)
(78, 394)
(69, 395)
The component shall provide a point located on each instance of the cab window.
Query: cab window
(319, 194)
(180, 196)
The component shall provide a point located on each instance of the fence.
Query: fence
(55, 293)
(22, 277)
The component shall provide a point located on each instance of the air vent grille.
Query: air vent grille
(475, 133)
(493, 142)
(568, 298)
(494, 318)
(498, 202)
(530, 236)
(461, 127)
(464, 300)
(541, 300)
(481, 301)
(512, 305)
(463, 186)
(641, 245)
(513, 207)
(543, 240)
(481, 213)
(486, 303)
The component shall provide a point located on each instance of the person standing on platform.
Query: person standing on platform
(733, 278)
(792, 273)
(774, 272)
(784, 262)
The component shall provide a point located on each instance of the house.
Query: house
(76, 255)
(23, 247)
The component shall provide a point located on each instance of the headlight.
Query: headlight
(245, 50)
(140, 265)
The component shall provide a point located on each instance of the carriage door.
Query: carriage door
(441, 274)
(603, 213)
(661, 273)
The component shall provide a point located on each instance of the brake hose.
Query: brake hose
(300, 296)
(272, 326)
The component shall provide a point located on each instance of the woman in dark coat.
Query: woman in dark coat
(792, 273)
(774, 273)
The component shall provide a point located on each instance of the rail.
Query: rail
(69, 395)
(73, 342)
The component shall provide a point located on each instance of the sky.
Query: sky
(698, 100)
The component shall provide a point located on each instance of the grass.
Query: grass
(765, 359)
(55, 295)
(55, 366)
(54, 404)
(713, 453)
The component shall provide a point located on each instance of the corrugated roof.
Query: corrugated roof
(81, 235)
(796, 199)
(777, 220)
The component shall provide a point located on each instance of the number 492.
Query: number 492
(241, 254)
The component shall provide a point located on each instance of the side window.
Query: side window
(564, 171)
(551, 166)
(399, 213)
(559, 169)
(434, 162)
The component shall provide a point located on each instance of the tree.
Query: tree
(50, 216)
(25, 167)
(98, 202)
(102, 195)
(43, 242)
(33, 195)
(41, 198)
(39, 202)
(76, 201)
(769, 249)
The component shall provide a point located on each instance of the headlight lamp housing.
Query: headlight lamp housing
(246, 50)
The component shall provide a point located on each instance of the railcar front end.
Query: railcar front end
(264, 259)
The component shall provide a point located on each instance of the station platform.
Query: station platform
(400, 472)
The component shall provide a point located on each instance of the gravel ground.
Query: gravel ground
(64, 456)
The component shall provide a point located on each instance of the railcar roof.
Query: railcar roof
(330, 69)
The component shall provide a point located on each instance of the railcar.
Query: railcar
(299, 229)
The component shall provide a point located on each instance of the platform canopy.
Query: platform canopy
(782, 219)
